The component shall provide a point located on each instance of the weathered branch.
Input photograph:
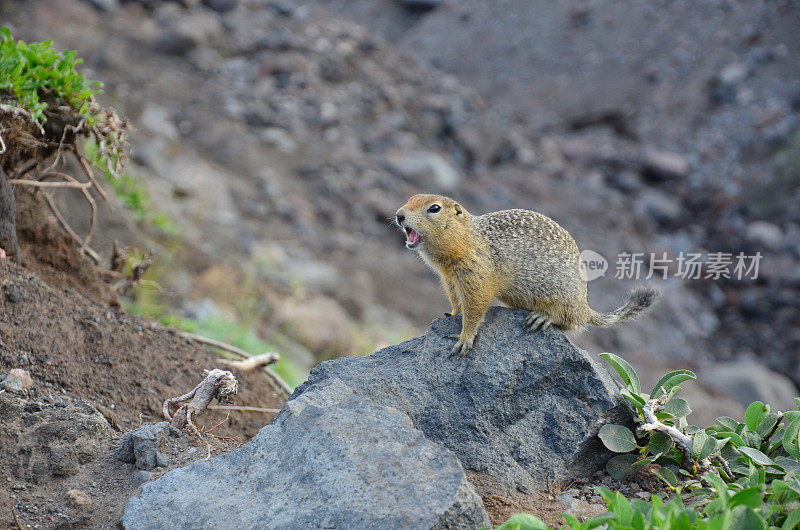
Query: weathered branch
(65, 225)
(275, 379)
(38, 184)
(257, 361)
(243, 408)
(683, 442)
(216, 384)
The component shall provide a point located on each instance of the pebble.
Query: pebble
(142, 476)
(79, 499)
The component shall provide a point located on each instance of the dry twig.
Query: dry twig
(243, 408)
(136, 276)
(275, 379)
(38, 184)
(683, 442)
(16, 519)
(256, 361)
(216, 384)
(65, 225)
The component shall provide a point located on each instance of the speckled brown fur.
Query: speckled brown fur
(523, 258)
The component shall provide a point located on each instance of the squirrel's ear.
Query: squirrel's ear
(459, 209)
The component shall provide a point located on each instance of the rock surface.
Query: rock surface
(140, 446)
(520, 406)
(384, 441)
(353, 465)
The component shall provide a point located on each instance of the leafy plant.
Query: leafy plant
(754, 482)
(32, 72)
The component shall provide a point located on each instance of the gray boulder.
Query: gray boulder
(405, 438)
(140, 446)
(351, 465)
(520, 406)
(747, 381)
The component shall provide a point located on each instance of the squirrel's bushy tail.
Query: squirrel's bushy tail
(639, 301)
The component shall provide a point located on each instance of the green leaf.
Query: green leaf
(751, 438)
(767, 423)
(523, 521)
(635, 399)
(670, 380)
(667, 476)
(791, 439)
(621, 466)
(678, 407)
(728, 422)
(748, 497)
(793, 521)
(745, 518)
(617, 438)
(625, 371)
(757, 456)
(734, 438)
(620, 506)
(573, 523)
(720, 486)
(788, 464)
(660, 443)
(703, 445)
(754, 414)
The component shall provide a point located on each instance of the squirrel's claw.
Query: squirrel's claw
(535, 320)
(462, 348)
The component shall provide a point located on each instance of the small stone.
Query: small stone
(162, 459)
(142, 476)
(158, 120)
(733, 73)
(663, 208)
(174, 43)
(422, 4)
(764, 233)
(17, 381)
(424, 167)
(221, 6)
(105, 5)
(662, 165)
(14, 296)
(79, 499)
(279, 138)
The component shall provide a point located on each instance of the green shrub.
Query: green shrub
(32, 72)
(738, 475)
(39, 84)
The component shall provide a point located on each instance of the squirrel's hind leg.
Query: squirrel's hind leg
(535, 320)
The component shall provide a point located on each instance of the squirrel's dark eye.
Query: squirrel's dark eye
(434, 208)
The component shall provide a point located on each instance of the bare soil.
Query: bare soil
(51, 253)
(93, 367)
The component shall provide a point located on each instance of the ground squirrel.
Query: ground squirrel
(523, 258)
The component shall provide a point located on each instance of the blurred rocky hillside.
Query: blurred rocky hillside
(279, 137)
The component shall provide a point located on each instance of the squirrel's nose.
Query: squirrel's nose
(400, 218)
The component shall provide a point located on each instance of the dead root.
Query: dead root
(30, 147)
(216, 384)
(275, 380)
(257, 361)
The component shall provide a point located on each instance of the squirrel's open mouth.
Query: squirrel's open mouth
(413, 239)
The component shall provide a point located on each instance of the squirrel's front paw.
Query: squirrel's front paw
(462, 347)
